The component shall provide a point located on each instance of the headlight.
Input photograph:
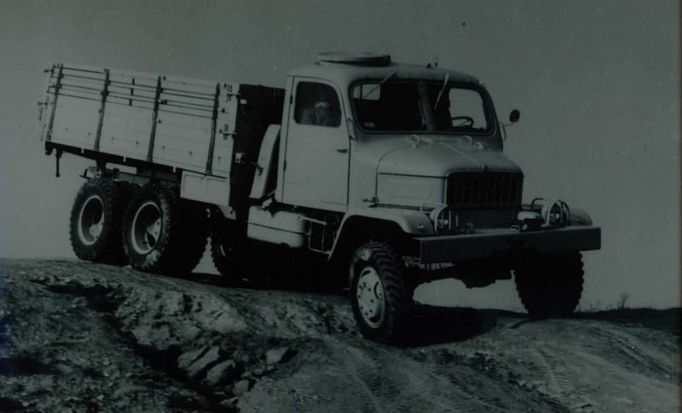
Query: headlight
(556, 213)
(442, 219)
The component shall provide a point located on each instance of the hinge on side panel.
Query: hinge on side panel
(373, 201)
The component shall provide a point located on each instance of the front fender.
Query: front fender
(409, 221)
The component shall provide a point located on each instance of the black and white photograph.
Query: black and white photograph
(340, 206)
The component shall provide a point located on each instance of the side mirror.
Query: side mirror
(514, 116)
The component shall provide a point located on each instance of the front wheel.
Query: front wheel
(380, 296)
(550, 285)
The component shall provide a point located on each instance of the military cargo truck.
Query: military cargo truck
(389, 174)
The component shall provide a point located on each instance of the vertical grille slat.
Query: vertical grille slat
(484, 189)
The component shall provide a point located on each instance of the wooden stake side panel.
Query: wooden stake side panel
(75, 122)
(125, 131)
(188, 119)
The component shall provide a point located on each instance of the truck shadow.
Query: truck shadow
(668, 320)
(439, 325)
(302, 283)
(430, 325)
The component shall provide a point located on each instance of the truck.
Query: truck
(388, 175)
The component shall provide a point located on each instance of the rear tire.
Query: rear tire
(154, 236)
(550, 285)
(95, 224)
(195, 235)
(380, 297)
(233, 258)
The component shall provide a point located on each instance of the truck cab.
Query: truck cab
(400, 145)
(395, 136)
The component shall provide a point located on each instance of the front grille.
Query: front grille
(484, 189)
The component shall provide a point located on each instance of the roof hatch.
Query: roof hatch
(360, 59)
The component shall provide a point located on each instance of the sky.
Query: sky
(597, 84)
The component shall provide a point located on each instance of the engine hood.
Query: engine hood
(439, 157)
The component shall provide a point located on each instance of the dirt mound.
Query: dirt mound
(88, 337)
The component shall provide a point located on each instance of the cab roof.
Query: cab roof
(346, 70)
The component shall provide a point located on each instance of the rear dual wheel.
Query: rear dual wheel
(162, 234)
(233, 256)
(116, 222)
(96, 216)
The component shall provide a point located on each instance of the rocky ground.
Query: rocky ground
(81, 337)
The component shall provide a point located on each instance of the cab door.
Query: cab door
(317, 147)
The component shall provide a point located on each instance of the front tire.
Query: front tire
(550, 285)
(380, 296)
(95, 224)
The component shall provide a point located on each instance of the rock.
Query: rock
(262, 371)
(63, 368)
(159, 337)
(230, 403)
(241, 387)
(187, 330)
(216, 315)
(195, 362)
(225, 371)
(279, 355)
(188, 357)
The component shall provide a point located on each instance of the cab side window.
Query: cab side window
(317, 104)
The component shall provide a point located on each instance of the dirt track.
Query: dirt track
(76, 336)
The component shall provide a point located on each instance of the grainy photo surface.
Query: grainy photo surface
(262, 206)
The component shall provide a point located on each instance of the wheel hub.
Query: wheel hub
(91, 220)
(146, 228)
(370, 297)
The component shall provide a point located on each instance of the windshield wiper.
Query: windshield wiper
(442, 89)
(378, 85)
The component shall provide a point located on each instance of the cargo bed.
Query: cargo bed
(153, 120)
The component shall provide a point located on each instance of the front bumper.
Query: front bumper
(506, 243)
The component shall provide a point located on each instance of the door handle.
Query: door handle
(342, 150)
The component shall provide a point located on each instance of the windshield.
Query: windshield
(456, 108)
(396, 106)
(388, 106)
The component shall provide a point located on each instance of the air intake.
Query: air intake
(484, 190)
